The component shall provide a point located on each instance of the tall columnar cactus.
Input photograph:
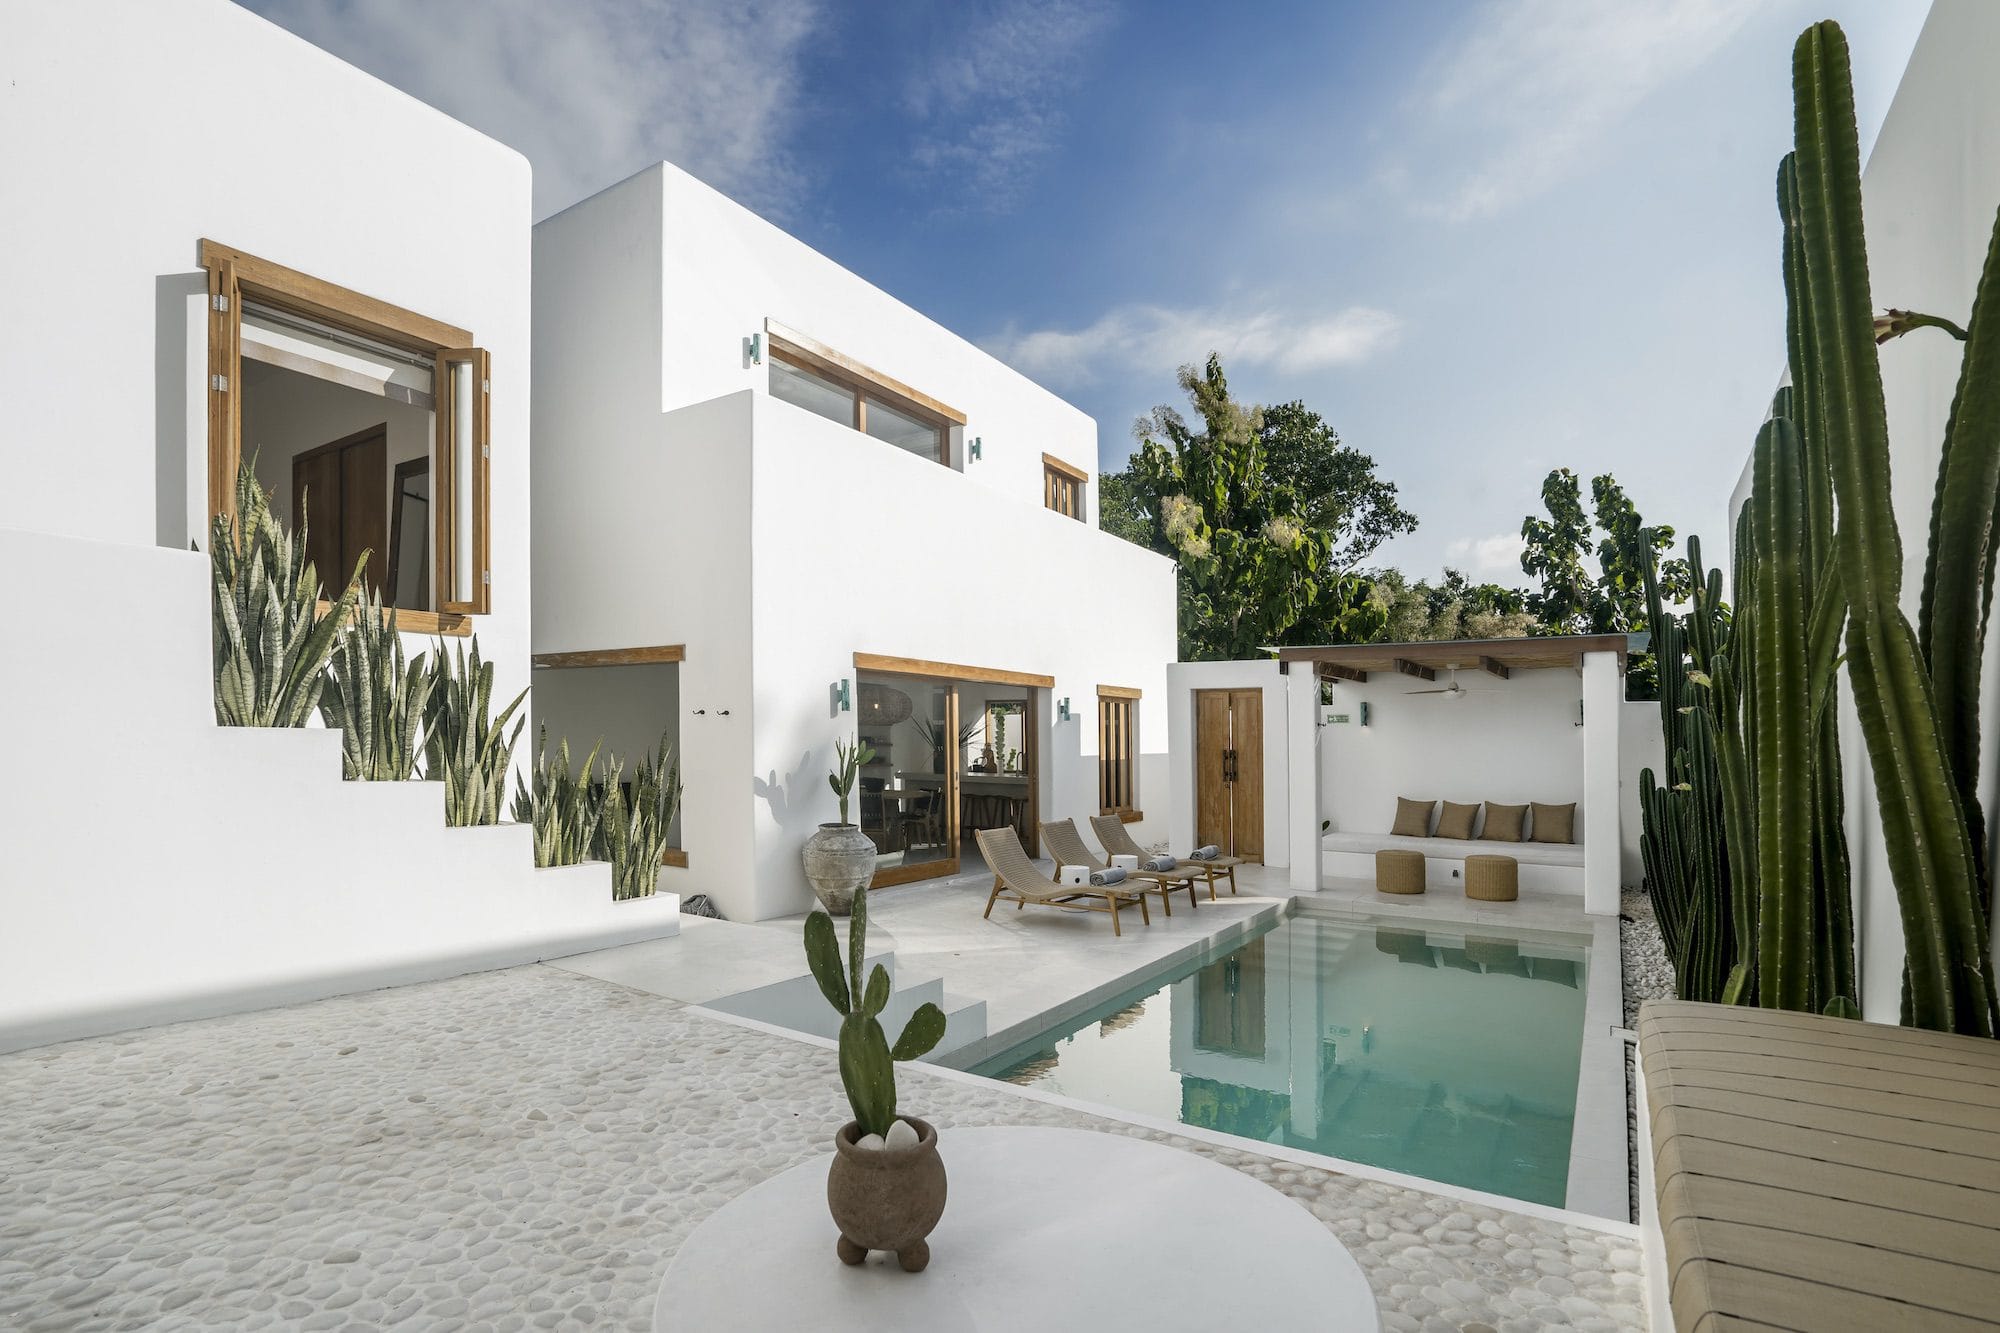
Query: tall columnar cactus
(867, 1061)
(1683, 839)
(1922, 741)
(270, 641)
(465, 747)
(375, 698)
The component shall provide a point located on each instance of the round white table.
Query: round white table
(1044, 1230)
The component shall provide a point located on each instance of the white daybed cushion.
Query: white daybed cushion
(1454, 849)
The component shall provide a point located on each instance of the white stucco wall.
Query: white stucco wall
(726, 271)
(1183, 679)
(128, 133)
(1641, 745)
(964, 576)
(1929, 193)
(677, 502)
(1509, 741)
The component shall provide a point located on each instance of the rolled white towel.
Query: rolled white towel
(1205, 853)
(1162, 863)
(1113, 875)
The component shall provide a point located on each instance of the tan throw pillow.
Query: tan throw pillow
(1555, 823)
(1503, 823)
(1455, 820)
(1413, 818)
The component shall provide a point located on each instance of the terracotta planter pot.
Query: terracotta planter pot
(887, 1198)
(840, 859)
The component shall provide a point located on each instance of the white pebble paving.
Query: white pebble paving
(527, 1149)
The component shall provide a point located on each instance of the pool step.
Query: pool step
(796, 1003)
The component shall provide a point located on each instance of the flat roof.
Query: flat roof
(1353, 661)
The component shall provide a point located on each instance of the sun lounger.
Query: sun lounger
(1110, 831)
(1066, 845)
(1017, 878)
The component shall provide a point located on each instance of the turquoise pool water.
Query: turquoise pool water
(1448, 1052)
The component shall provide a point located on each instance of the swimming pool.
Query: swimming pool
(1443, 1051)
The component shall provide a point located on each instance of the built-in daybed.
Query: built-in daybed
(1552, 866)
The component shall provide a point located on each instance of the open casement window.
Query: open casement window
(1118, 752)
(1062, 487)
(288, 345)
(812, 375)
(464, 580)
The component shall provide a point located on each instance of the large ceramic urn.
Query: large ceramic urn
(840, 859)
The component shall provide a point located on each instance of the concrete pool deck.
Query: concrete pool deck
(527, 1148)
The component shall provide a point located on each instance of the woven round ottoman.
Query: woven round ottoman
(1399, 872)
(1492, 879)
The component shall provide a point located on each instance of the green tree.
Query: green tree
(1452, 608)
(1264, 512)
(1556, 551)
(1340, 493)
(1572, 600)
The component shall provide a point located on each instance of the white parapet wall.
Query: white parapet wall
(160, 867)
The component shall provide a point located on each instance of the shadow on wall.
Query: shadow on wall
(784, 813)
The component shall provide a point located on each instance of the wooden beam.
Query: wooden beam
(919, 666)
(1118, 692)
(1335, 671)
(598, 657)
(1417, 669)
(1493, 668)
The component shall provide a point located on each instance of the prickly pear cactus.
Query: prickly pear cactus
(867, 1060)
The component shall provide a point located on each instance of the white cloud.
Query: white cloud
(1537, 84)
(987, 102)
(592, 90)
(1486, 559)
(1150, 338)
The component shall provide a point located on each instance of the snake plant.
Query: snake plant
(465, 747)
(635, 828)
(565, 807)
(867, 1061)
(270, 641)
(375, 698)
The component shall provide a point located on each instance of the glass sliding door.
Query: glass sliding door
(908, 792)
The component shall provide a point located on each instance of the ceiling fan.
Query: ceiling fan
(1454, 690)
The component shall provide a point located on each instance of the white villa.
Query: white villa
(281, 1049)
(840, 519)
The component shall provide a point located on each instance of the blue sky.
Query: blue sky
(1483, 238)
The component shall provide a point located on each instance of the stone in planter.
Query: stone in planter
(886, 1198)
(840, 859)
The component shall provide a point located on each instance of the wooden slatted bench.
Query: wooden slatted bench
(1818, 1173)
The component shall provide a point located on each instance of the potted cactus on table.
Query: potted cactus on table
(840, 858)
(886, 1187)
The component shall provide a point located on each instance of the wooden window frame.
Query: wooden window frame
(642, 656)
(1062, 487)
(1118, 752)
(802, 353)
(233, 276)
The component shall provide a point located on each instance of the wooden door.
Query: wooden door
(1246, 774)
(341, 490)
(1211, 730)
(1229, 771)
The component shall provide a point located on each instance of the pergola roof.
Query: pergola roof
(1353, 661)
